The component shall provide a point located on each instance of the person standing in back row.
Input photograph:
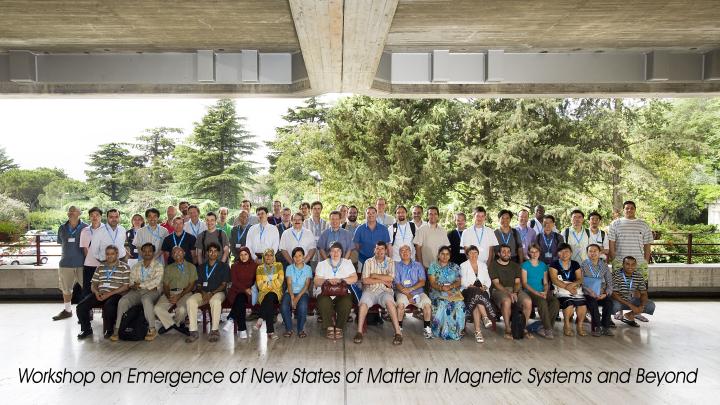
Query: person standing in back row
(70, 270)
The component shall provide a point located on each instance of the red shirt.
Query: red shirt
(167, 225)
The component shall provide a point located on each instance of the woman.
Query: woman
(297, 276)
(598, 289)
(269, 279)
(334, 270)
(242, 275)
(448, 307)
(137, 222)
(567, 277)
(536, 284)
(474, 282)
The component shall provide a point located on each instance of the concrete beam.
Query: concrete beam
(319, 27)
(367, 23)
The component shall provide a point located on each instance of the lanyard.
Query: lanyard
(262, 232)
(283, 227)
(577, 240)
(181, 239)
(207, 275)
(72, 231)
(296, 236)
(384, 264)
(240, 235)
(459, 235)
(626, 282)
(107, 229)
(548, 245)
(403, 231)
(332, 239)
(504, 239)
(565, 272)
(155, 234)
(181, 267)
(109, 276)
(335, 269)
(598, 237)
(194, 230)
(481, 236)
(523, 235)
(592, 269)
(143, 272)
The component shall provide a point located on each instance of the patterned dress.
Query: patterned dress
(447, 306)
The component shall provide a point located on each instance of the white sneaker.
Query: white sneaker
(619, 315)
(641, 318)
(486, 322)
(427, 332)
(243, 334)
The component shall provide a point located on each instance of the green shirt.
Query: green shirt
(506, 274)
(175, 278)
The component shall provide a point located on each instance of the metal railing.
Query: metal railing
(687, 245)
(35, 243)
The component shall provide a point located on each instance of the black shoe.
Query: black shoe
(62, 315)
(163, 331)
(84, 333)
(107, 334)
(630, 323)
(182, 329)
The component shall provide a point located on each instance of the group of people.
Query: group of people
(269, 260)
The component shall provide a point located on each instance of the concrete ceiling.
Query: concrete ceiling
(380, 47)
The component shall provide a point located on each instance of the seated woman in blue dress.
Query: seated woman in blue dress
(448, 308)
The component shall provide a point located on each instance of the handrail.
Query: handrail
(688, 244)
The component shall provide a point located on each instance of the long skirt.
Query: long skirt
(448, 319)
(474, 296)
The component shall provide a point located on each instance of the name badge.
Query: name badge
(238, 245)
(105, 285)
(407, 283)
(462, 251)
(71, 240)
(548, 255)
(205, 284)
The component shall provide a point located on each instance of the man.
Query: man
(597, 235)
(506, 275)
(168, 225)
(285, 221)
(409, 284)
(537, 222)
(222, 222)
(70, 270)
(238, 234)
(178, 282)
(630, 293)
(317, 226)
(343, 210)
(417, 216)
(194, 226)
(577, 236)
(152, 233)
(179, 238)
(276, 217)
(212, 235)
(630, 236)
(506, 235)
(305, 209)
(183, 206)
(481, 236)
(549, 241)
(402, 233)
(335, 234)
(86, 235)
(429, 238)
(350, 225)
(297, 236)
(368, 235)
(145, 282)
(262, 236)
(382, 217)
(246, 206)
(109, 282)
(213, 277)
(527, 233)
(111, 234)
(377, 279)
(457, 251)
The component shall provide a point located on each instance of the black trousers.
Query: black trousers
(594, 306)
(88, 272)
(237, 313)
(267, 310)
(109, 311)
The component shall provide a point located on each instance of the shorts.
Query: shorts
(571, 301)
(401, 298)
(67, 277)
(498, 296)
(371, 298)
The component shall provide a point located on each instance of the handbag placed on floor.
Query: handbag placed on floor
(337, 290)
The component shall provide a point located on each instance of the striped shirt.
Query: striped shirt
(386, 267)
(109, 278)
(626, 285)
(600, 271)
(630, 236)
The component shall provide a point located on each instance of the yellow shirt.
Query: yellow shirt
(268, 283)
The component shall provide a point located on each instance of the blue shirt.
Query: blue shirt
(535, 274)
(408, 275)
(328, 237)
(69, 238)
(298, 276)
(367, 239)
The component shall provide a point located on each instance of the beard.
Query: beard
(352, 218)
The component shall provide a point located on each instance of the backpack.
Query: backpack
(133, 326)
(395, 228)
(517, 322)
(566, 234)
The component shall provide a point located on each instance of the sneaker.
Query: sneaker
(193, 336)
(182, 328)
(619, 315)
(641, 318)
(243, 334)
(549, 334)
(84, 334)
(114, 337)
(62, 315)
(273, 336)
(479, 337)
(487, 323)
(151, 335)
(107, 334)
(595, 332)
(607, 332)
(163, 331)
(427, 332)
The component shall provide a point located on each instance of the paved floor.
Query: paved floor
(672, 341)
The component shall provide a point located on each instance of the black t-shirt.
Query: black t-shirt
(218, 274)
(186, 241)
(457, 253)
(566, 274)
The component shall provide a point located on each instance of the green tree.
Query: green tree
(213, 163)
(156, 147)
(6, 162)
(112, 170)
(27, 185)
(63, 192)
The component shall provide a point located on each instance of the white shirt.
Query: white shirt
(195, 229)
(385, 219)
(403, 236)
(106, 236)
(156, 237)
(483, 238)
(597, 239)
(261, 237)
(467, 275)
(325, 271)
(86, 235)
(291, 239)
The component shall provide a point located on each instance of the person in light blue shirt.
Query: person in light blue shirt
(298, 276)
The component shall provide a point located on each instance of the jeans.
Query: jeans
(649, 306)
(300, 312)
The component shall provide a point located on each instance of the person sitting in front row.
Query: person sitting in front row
(178, 282)
(506, 292)
(269, 278)
(409, 283)
(298, 277)
(448, 308)
(598, 289)
(377, 279)
(475, 286)
(630, 293)
(213, 277)
(537, 284)
(567, 277)
(334, 271)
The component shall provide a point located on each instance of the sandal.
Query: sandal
(397, 339)
(567, 331)
(214, 336)
(358, 338)
(528, 335)
(302, 334)
(581, 331)
(258, 324)
(330, 334)
(338, 333)
(508, 336)
(479, 337)
(288, 334)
